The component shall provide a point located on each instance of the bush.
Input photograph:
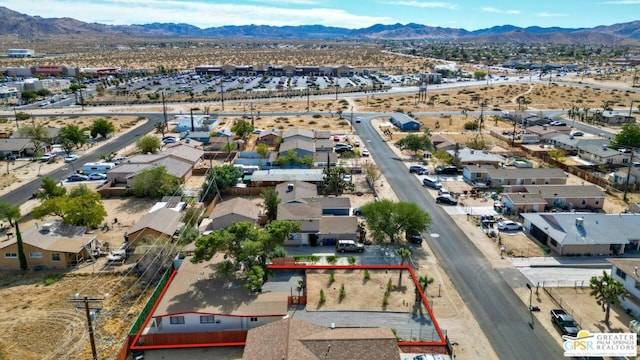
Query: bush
(367, 275)
(323, 298)
(343, 292)
(389, 286)
(332, 259)
(316, 116)
(385, 299)
(471, 125)
(51, 280)
(332, 276)
(343, 123)
(351, 260)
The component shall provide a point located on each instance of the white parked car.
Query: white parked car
(70, 158)
(365, 152)
(508, 225)
(97, 176)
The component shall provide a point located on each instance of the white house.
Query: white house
(626, 271)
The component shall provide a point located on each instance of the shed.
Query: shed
(404, 122)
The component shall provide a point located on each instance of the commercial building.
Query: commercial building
(21, 53)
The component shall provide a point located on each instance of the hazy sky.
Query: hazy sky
(467, 14)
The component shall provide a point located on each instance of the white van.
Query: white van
(431, 182)
(101, 168)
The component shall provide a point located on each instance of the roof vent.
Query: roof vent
(290, 187)
(580, 221)
(46, 227)
(605, 147)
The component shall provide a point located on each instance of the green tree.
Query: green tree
(161, 127)
(37, 133)
(423, 282)
(102, 127)
(148, 144)
(415, 143)
(11, 213)
(386, 219)
(29, 96)
(606, 290)
(50, 189)
(443, 157)
(81, 207)
(242, 128)
(629, 135)
(479, 75)
(154, 182)
(291, 158)
(71, 135)
(271, 201)
(557, 154)
(21, 116)
(219, 179)
(334, 182)
(43, 92)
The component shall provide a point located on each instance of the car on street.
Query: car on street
(70, 158)
(365, 152)
(418, 169)
(349, 246)
(44, 103)
(97, 176)
(508, 225)
(446, 199)
(358, 119)
(446, 170)
(577, 133)
(77, 177)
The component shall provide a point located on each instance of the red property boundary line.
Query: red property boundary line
(442, 341)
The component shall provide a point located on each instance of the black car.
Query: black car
(446, 199)
(446, 170)
(77, 177)
(342, 149)
(415, 239)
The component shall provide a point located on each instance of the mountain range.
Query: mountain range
(33, 27)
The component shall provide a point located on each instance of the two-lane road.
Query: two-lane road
(488, 292)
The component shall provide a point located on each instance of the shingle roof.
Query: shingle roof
(299, 211)
(338, 224)
(525, 198)
(330, 202)
(295, 339)
(185, 152)
(239, 206)
(15, 144)
(297, 144)
(566, 191)
(298, 131)
(300, 191)
(470, 156)
(629, 266)
(62, 238)
(163, 220)
(526, 173)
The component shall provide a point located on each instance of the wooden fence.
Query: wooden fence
(212, 206)
(297, 300)
(215, 337)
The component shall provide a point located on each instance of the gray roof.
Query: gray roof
(331, 202)
(17, 144)
(185, 152)
(238, 206)
(599, 150)
(175, 167)
(297, 144)
(595, 228)
(298, 131)
(163, 220)
(566, 191)
(299, 211)
(338, 224)
(59, 237)
(321, 157)
(470, 156)
(300, 191)
(526, 173)
(323, 134)
(269, 132)
(279, 175)
(525, 198)
(403, 118)
(324, 144)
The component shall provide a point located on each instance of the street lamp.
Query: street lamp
(191, 111)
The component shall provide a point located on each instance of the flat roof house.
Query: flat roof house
(585, 233)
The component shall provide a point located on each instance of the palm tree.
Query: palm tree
(404, 254)
(424, 282)
(607, 291)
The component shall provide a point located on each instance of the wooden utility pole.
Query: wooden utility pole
(87, 301)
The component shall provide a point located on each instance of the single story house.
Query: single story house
(17, 147)
(613, 117)
(526, 176)
(309, 216)
(568, 197)
(200, 300)
(50, 246)
(334, 228)
(124, 173)
(296, 339)
(301, 148)
(269, 137)
(620, 176)
(185, 152)
(545, 132)
(217, 143)
(322, 134)
(445, 146)
(340, 206)
(602, 154)
(157, 226)
(191, 123)
(275, 176)
(585, 233)
(468, 156)
(298, 134)
(324, 145)
(477, 175)
(230, 211)
(626, 271)
(296, 191)
(320, 159)
(201, 136)
(405, 122)
(516, 203)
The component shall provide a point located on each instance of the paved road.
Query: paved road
(503, 317)
(23, 193)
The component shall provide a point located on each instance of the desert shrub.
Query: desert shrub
(367, 275)
(323, 297)
(351, 260)
(343, 292)
(471, 125)
(332, 259)
(332, 276)
(316, 116)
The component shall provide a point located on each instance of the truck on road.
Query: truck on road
(564, 322)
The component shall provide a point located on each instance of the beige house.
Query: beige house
(230, 211)
(157, 226)
(50, 246)
(525, 176)
(538, 198)
(296, 339)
